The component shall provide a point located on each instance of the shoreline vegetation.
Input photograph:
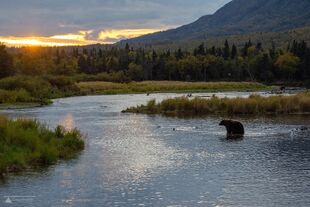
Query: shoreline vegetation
(34, 91)
(253, 105)
(26, 143)
(25, 91)
(106, 88)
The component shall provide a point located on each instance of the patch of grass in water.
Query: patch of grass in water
(26, 143)
(254, 105)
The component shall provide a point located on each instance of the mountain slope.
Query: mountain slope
(239, 17)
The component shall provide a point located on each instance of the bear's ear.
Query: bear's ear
(222, 123)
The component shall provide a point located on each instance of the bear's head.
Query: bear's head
(225, 123)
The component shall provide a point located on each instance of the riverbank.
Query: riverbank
(21, 105)
(26, 91)
(26, 143)
(254, 105)
(106, 88)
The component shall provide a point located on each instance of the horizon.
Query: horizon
(78, 23)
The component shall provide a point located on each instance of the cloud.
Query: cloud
(114, 35)
(81, 36)
(47, 18)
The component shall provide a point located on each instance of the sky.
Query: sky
(80, 22)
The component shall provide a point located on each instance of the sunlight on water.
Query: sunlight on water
(134, 153)
(68, 122)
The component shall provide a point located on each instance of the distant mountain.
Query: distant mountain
(238, 17)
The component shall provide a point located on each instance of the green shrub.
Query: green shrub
(15, 96)
(35, 86)
(62, 86)
(26, 89)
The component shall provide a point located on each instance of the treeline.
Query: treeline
(252, 62)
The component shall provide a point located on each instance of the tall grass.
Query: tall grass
(26, 143)
(97, 87)
(254, 105)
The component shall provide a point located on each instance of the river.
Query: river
(139, 160)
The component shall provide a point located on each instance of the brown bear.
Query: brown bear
(234, 128)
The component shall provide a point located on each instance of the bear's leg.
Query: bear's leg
(229, 130)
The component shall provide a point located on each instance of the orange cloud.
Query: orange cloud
(80, 36)
(114, 35)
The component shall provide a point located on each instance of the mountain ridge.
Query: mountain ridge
(238, 17)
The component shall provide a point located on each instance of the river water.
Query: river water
(139, 160)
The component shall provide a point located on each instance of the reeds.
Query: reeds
(254, 105)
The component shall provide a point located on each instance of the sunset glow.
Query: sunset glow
(71, 39)
(80, 38)
(113, 35)
(29, 41)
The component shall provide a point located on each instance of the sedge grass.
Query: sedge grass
(253, 105)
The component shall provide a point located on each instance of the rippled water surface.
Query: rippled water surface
(139, 160)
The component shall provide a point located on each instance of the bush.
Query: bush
(115, 77)
(35, 86)
(15, 96)
(21, 89)
(62, 86)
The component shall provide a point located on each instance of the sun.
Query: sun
(38, 41)
(70, 39)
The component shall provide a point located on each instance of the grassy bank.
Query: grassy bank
(20, 98)
(19, 91)
(25, 91)
(254, 105)
(166, 86)
(26, 143)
